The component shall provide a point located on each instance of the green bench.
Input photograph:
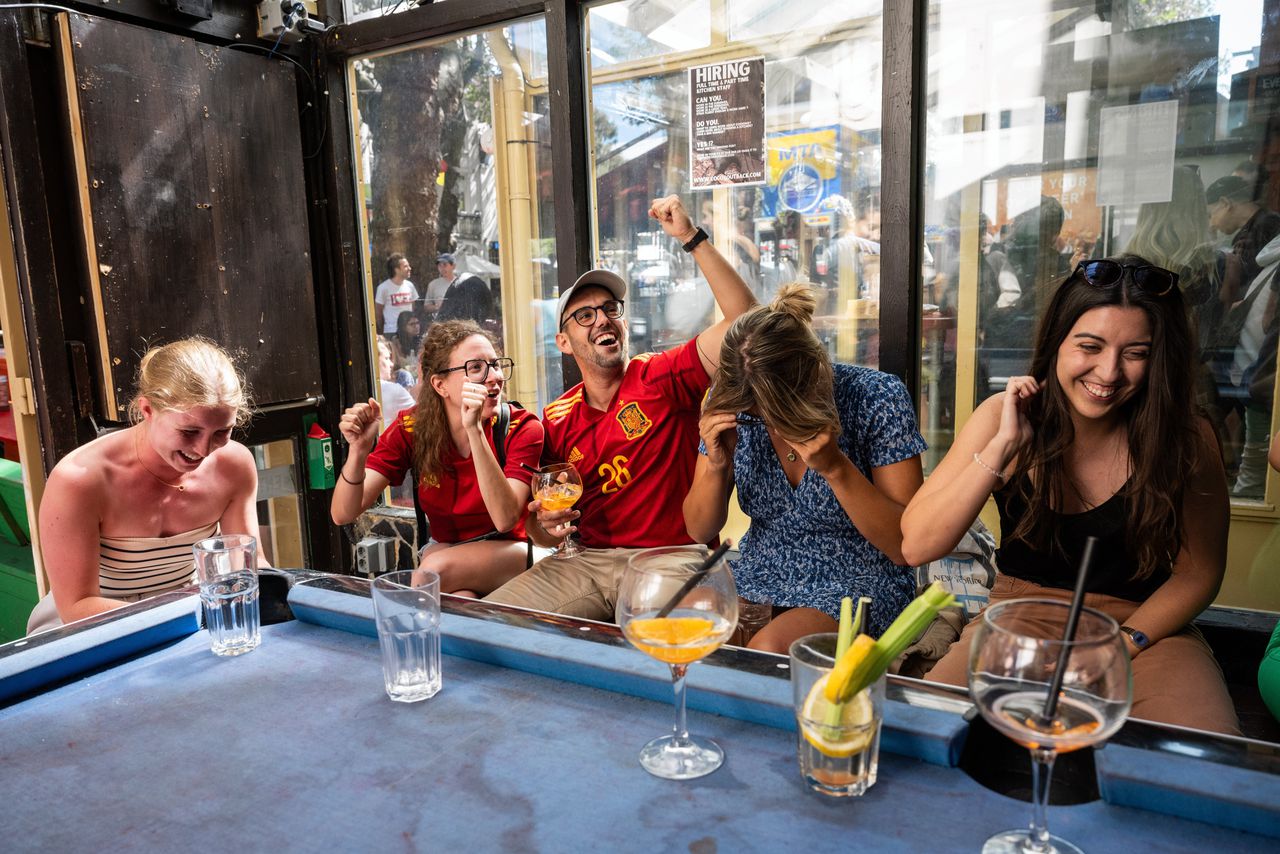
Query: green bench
(17, 565)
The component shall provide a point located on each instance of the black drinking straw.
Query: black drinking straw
(530, 468)
(693, 580)
(1073, 617)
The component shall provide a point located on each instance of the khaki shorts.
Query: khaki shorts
(582, 586)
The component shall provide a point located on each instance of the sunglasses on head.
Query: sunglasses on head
(1153, 280)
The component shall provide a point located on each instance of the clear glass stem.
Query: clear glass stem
(681, 730)
(1041, 776)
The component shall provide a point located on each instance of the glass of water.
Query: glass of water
(406, 609)
(227, 568)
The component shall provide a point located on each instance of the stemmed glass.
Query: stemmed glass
(1015, 654)
(703, 618)
(559, 487)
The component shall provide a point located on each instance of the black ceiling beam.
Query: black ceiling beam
(425, 22)
(232, 21)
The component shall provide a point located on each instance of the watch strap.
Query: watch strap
(698, 237)
(1140, 640)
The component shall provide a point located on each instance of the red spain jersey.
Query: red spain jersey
(453, 504)
(636, 458)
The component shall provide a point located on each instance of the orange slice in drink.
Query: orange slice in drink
(675, 640)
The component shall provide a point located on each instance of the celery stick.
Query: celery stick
(909, 624)
(847, 630)
(847, 666)
(864, 602)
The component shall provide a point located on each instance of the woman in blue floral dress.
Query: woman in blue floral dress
(825, 458)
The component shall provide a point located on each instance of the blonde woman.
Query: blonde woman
(825, 457)
(120, 514)
(475, 507)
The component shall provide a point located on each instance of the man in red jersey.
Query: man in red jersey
(630, 428)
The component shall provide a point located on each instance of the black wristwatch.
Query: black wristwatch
(1140, 640)
(698, 237)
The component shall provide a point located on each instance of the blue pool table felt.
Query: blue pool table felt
(295, 746)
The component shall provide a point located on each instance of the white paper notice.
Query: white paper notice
(1135, 153)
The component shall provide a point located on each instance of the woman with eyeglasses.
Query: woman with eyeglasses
(1103, 440)
(824, 457)
(475, 507)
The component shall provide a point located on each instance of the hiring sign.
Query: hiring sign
(726, 124)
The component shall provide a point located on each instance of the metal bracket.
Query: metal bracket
(22, 395)
(202, 9)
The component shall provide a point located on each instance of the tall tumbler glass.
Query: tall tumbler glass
(838, 749)
(406, 608)
(227, 567)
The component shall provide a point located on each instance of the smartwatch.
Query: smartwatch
(1140, 640)
(698, 237)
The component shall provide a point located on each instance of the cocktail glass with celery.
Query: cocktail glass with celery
(559, 487)
(701, 619)
(839, 754)
(837, 682)
(1016, 650)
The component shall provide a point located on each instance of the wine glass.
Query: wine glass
(703, 617)
(559, 487)
(1017, 649)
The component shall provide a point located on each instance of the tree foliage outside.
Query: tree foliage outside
(1153, 13)
(417, 105)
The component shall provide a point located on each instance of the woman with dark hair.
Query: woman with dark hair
(406, 350)
(475, 507)
(825, 457)
(1100, 440)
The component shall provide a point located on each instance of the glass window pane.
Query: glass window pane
(628, 32)
(816, 215)
(768, 18)
(456, 192)
(282, 524)
(1060, 131)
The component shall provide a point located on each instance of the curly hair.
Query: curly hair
(430, 421)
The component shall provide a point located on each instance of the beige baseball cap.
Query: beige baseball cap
(611, 282)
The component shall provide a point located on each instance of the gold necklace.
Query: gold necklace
(178, 486)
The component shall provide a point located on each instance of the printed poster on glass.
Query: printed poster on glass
(726, 124)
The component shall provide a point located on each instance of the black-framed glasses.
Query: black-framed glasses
(1101, 273)
(744, 418)
(586, 315)
(477, 370)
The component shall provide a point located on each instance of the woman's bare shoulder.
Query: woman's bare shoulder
(237, 463)
(85, 479)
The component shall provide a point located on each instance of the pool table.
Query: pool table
(125, 733)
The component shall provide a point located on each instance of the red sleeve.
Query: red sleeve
(680, 373)
(524, 445)
(394, 453)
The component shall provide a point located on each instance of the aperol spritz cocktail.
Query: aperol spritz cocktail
(559, 487)
(1016, 650)
(699, 621)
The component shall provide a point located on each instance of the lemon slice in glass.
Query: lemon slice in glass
(852, 734)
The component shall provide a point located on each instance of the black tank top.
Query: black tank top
(1112, 568)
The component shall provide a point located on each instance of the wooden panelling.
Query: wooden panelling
(189, 164)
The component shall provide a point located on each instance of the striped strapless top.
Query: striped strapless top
(135, 567)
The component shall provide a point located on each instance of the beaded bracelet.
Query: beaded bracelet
(1000, 475)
